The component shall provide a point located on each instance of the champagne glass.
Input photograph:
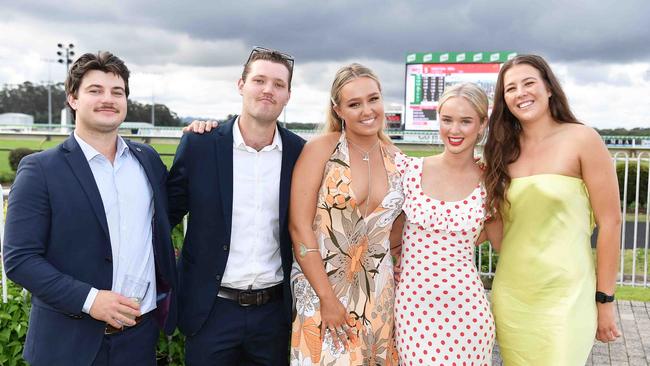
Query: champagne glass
(134, 288)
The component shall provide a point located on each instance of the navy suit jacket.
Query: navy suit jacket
(57, 246)
(200, 182)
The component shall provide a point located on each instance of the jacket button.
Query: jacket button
(109, 259)
(225, 247)
(218, 277)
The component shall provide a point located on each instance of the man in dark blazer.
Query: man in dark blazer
(84, 215)
(234, 297)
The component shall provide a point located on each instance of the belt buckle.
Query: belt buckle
(241, 297)
(108, 329)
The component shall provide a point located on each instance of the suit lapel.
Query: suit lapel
(81, 170)
(146, 165)
(285, 175)
(224, 166)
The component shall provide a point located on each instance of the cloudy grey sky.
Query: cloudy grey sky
(188, 55)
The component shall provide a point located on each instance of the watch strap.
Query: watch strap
(603, 298)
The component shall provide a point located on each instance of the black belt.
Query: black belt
(251, 297)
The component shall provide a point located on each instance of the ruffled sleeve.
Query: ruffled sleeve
(403, 166)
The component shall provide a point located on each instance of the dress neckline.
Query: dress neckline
(477, 187)
(541, 175)
(343, 140)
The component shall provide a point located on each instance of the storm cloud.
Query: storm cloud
(191, 43)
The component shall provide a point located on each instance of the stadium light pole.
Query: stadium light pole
(68, 53)
(65, 54)
(49, 89)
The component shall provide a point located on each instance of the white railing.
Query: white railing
(633, 269)
(2, 238)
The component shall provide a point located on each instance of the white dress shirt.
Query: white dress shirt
(128, 203)
(254, 260)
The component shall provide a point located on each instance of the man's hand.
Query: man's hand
(200, 126)
(114, 309)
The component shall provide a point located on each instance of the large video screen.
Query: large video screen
(428, 74)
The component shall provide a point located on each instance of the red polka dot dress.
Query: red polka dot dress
(442, 316)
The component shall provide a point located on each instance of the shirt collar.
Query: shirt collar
(90, 152)
(238, 139)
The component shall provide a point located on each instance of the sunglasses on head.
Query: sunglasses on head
(284, 56)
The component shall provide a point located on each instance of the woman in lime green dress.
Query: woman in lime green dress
(552, 179)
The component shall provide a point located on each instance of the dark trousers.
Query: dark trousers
(132, 346)
(237, 335)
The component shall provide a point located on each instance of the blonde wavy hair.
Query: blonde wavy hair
(343, 76)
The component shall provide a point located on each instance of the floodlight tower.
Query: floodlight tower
(65, 54)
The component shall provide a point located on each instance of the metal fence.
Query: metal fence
(633, 267)
(634, 231)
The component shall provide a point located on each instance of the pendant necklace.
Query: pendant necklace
(365, 156)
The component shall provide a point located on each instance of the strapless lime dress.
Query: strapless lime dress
(543, 290)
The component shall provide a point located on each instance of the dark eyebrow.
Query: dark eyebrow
(102, 87)
(525, 79)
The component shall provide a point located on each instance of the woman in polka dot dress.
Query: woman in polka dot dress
(442, 316)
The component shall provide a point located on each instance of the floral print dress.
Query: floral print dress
(356, 254)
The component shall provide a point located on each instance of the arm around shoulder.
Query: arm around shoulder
(177, 182)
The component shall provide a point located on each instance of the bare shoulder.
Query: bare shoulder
(391, 149)
(583, 134)
(578, 135)
(578, 130)
(320, 147)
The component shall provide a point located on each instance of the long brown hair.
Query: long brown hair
(502, 147)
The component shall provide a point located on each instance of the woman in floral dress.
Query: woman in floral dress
(442, 315)
(345, 197)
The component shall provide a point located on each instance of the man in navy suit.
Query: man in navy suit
(84, 215)
(234, 296)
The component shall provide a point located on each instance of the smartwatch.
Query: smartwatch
(603, 298)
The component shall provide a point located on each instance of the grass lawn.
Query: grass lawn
(42, 145)
(628, 260)
(633, 293)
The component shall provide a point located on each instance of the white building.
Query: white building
(16, 119)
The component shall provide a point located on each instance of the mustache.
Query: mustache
(106, 107)
(267, 98)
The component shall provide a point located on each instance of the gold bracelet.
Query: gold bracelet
(303, 250)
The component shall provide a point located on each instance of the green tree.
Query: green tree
(30, 98)
(139, 112)
(637, 131)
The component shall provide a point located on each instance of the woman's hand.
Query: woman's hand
(607, 329)
(334, 318)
